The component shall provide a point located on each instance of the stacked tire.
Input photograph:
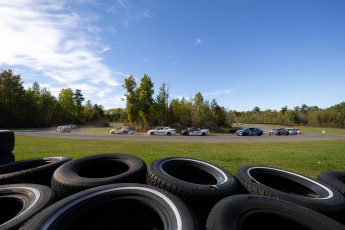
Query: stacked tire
(118, 191)
(295, 188)
(200, 184)
(36, 171)
(109, 191)
(7, 142)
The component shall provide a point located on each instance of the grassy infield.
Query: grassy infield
(307, 158)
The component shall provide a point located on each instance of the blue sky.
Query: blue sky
(243, 53)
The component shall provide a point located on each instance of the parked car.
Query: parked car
(278, 131)
(293, 131)
(249, 132)
(123, 130)
(162, 131)
(192, 131)
(64, 129)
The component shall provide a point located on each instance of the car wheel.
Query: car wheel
(199, 183)
(260, 212)
(152, 133)
(203, 134)
(169, 134)
(293, 187)
(38, 170)
(116, 206)
(96, 170)
(19, 202)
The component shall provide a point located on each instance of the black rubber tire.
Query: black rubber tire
(19, 202)
(293, 187)
(37, 171)
(96, 170)
(335, 179)
(7, 159)
(116, 206)
(199, 183)
(259, 212)
(7, 142)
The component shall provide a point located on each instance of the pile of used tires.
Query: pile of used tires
(119, 191)
(6, 146)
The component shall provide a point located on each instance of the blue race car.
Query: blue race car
(249, 132)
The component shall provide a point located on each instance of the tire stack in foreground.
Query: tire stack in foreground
(7, 142)
(118, 191)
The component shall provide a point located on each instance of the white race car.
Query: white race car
(64, 129)
(162, 131)
(191, 131)
(123, 130)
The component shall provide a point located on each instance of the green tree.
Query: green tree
(256, 109)
(48, 105)
(339, 118)
(12, 100)
(132, 102)
(219, 114)
(32, 107)
(162, 105)
(145, 100)
(66, 101)
(78, 100)
(199, 110)
(116, 115)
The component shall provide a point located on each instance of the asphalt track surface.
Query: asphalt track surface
(78, 134)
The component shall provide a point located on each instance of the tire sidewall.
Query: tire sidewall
(221, 175)
(69, 171)
(33, 198)
(175, 214)
(328, 201)
(232, 213)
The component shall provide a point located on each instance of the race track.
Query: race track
(78, 134)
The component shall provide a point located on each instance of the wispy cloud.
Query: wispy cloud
(220, 92)
(56, 43)
(200, 41)
(129, 12)
(197, 42)
(143, 59)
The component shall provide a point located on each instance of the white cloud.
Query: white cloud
(144, 59)
(129, 12)
(198, 41)
(56, 43)
(220, 92)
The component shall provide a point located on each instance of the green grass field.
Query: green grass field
(307, 158)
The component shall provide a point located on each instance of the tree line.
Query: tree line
(332, 117)
(37, 107)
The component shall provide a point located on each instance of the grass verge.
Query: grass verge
(307, 158)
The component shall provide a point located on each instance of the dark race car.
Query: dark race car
(249, 132)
